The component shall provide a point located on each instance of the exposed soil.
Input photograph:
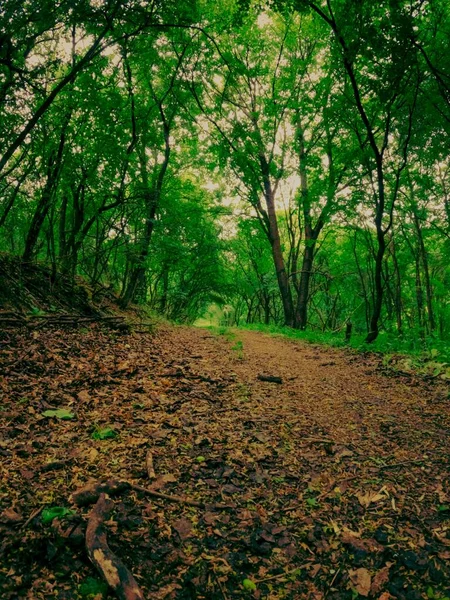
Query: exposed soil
(336, 481)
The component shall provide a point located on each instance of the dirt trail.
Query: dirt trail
(338, 477)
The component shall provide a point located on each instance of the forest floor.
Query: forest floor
(335, 482)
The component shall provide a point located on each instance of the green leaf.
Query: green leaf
(59, 413)
(55, 512)
(249, 585)
(92, 587)
(312, 502)
(278, 479)
(104, 434)
(200, 459)
(443, 507)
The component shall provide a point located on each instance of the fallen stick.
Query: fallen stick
(92, 491)
(33, 515)
(178, 499)
(285, 574)
(110, 567)
(270, 378)
(149, 464)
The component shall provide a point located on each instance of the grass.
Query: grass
(386, 343)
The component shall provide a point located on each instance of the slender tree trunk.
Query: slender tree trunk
(53, 172)
(277, 253)
(361, 278)
(398, 288)
(13, 196)
(426, 272)
(378, 289)
(419, 296)
(282, 278)
(305, 279)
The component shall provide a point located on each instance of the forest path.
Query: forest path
(338, 477)
(345, 396)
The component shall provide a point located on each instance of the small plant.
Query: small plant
(55, 512)
(239, 349)
(249, 585)
(91, 588)
(107, 433)
(59, 413)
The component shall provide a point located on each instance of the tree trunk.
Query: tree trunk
(278, 259)
(378, 291)
(53, 173)
(426, 271)
(301, 317)
(398, 288)
(275, 242)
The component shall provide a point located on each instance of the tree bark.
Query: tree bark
(275, 242)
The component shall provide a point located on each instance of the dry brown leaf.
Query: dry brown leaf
(84, 396)
(161, 481)
(361, 581)
(10, 516)
(371, 497)
(183, 527)
(443, 497)
(380, 579)
(354, 540)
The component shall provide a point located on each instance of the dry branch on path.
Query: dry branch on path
(112, 569)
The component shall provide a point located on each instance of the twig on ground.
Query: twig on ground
(91, 492)
(149, 464)
(219, 583)
(33, 515)
(270, 378)
(285, 574)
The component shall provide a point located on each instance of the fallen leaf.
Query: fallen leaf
(379, 580)
(59, 413)
(361, 580)
(162, 480)
(10, 516)
(83, 396)
(370, 497)
(353, 539)
(183, 527)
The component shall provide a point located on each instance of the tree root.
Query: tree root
(110, 567)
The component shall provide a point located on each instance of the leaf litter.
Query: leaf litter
(328, 485)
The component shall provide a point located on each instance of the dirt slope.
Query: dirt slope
(337, 479)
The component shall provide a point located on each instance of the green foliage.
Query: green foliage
(196, 167)
(249, 585)
(59, 413)
(105, 433)
(91, 587)
(55, 512)
(238, 348)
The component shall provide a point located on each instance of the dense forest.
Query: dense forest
(286, 160)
